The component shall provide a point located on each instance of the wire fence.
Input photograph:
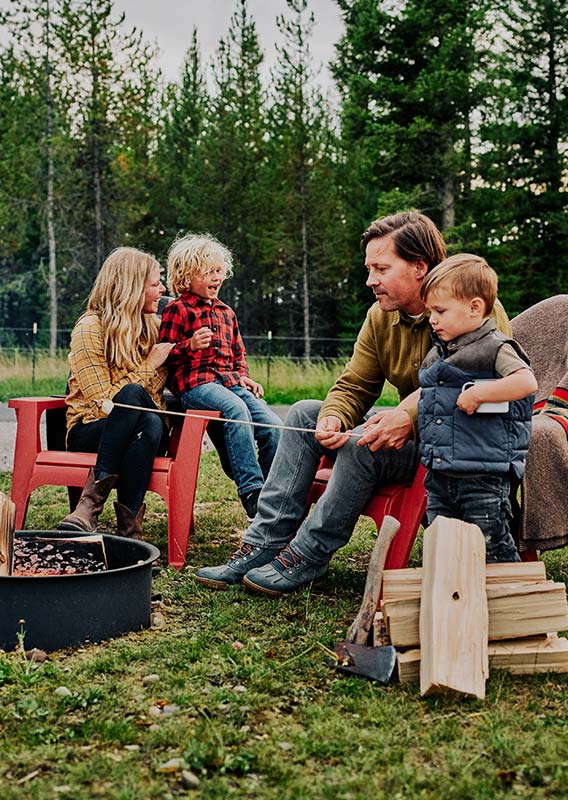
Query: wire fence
(25, 341)
(25, 348)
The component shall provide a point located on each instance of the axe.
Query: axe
(354, 655)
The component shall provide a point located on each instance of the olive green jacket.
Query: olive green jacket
(390, 347)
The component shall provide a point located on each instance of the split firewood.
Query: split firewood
(515, 610)
(7, 525)
(519, 656)
(453, 617)
(401, 584)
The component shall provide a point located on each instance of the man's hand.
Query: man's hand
(328, 433)
(389, 428)
(201, 339)
(252, 386)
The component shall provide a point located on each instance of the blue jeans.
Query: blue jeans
(481, 499)
(281, 516)
(241, 441)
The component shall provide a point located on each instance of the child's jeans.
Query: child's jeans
(481, 499)
(241, 441)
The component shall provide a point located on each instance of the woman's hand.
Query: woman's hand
(252, 386)
(159, 353)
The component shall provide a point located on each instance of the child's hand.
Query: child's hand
(252, 386)
(201, 339)
(469, 401)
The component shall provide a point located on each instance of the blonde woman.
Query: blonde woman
(115, 356)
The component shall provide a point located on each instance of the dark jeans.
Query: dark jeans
(126, 443)
(481, 499)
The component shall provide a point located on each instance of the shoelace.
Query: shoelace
(289, 559)
(244, 550)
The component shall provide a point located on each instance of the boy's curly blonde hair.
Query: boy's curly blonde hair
(193, 256)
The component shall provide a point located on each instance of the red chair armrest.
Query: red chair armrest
(39, 403)
(28, 415)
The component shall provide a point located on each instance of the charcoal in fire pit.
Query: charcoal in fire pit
(59, 556)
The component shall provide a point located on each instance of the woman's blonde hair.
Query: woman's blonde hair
(464, 276)
(117, 297)
(194, 255)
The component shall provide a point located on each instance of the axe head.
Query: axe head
(375, 663)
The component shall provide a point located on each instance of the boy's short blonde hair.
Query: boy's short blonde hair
(194, 255)
(464, 276)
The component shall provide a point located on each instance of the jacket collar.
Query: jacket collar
(195, 300)
(399, 317)
(466, 338)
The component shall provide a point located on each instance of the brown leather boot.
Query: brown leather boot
(126, 523)
(86, 515)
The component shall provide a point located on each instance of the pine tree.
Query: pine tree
(177, 175)
(406, 75)
(308, 248)
(114, 88)
(35, 29)
(521, 203)
(234, 152)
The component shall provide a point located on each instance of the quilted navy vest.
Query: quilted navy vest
(454, 441)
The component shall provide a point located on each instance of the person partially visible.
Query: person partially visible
(473, 451)
(543, 332)
(283, 550)
(207, 362)
(115, 355)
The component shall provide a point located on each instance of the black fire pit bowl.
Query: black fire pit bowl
(67, 610)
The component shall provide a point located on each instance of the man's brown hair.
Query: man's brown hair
(415, 237)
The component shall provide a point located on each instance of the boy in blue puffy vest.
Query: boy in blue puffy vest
(475, 404)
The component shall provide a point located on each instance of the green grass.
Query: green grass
(268, 720)
(285, 382)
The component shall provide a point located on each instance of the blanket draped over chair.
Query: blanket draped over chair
(543, 331)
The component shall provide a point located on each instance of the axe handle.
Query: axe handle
(358, 633)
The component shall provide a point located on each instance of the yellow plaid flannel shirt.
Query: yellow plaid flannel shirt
(92, 380)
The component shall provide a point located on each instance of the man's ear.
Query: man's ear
(421, 268)
(477, 307)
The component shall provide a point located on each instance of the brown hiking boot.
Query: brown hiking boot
(126, 523)
(86, 515)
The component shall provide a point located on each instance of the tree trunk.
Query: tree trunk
(448, 188)
(305, 265)
(52, 272)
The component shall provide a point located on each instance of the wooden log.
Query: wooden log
(453, 610)
(518, 656)
(406, 583)
(515, 610)
(520, 611)
(7, 525)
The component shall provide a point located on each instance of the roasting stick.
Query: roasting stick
(108, 405)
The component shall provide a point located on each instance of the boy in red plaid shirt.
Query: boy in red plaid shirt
(208, 368)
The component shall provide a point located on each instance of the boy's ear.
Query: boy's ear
(477, 307)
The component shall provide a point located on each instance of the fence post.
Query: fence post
(34, 334)
(268, 353)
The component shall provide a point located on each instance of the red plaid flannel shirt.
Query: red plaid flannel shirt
(224, 360)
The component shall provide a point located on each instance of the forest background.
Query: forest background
(456, 107)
